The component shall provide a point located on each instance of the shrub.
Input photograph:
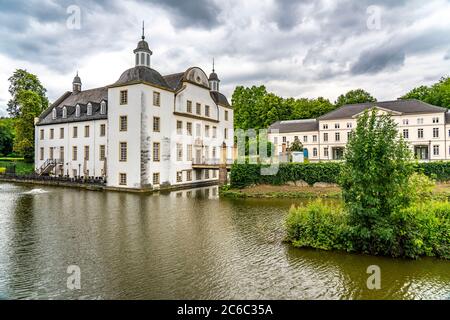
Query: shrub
(244, 175)
(317, 226)
(437, 170)
(388, 210)
(422, 230)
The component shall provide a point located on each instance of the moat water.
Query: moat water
(183, 245)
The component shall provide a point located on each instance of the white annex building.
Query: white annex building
(144, 131)
(425, 127)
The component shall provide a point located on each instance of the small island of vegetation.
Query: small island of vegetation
(388, 208)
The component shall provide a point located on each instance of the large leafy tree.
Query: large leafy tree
(438, 94)
(375, 181)
(22, 80)
(6, 136)
(255, 108)
(354, 96)
(30, 107)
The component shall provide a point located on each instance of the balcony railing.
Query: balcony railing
(210, 162)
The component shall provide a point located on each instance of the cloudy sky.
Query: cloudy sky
(296, 48)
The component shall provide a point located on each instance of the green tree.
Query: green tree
(353, 97)
(6, 136)
(420, 93)
(310, 108)
(438, 94)
(22, 80)
(30, 107)
(246, 104)
(296, 146)
(375, 181)
(255, 108)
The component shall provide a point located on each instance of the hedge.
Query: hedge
(244, 175)
(436, 170)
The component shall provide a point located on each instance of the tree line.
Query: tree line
(256, 108)
(28, 100)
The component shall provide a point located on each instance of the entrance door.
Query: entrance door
(198, 156)
(338, 153)
(421, 152)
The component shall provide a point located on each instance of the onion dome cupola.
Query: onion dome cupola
(214, 80)
(76, 84)
(142, 52)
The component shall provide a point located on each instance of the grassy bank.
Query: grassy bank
(419, 230)
(22, 167)
(441, 191)
(284, 191)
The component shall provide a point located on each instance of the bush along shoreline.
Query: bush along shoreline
(246, 175)
(387, 206)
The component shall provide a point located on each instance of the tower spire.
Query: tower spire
(213, 78)
(142, 53)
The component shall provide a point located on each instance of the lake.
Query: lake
(181, 245)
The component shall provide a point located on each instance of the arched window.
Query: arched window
(137, 58)
(148, 60)
(89, 109)
(64, 115)
(77, 111)
(54, 114)
(103, 107)
(142, 59)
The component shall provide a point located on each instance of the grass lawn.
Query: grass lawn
(22, 167)
(441, 190)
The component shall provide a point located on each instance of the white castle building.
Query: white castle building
(145, 131)
(425, 127)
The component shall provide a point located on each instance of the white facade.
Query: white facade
(160, 131)
(77, 155)
(428, 133)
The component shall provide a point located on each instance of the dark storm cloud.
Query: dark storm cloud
(25, 37)
(378, 59)
(290, 13)
(391, 54)
(284, 41)
(191, 13)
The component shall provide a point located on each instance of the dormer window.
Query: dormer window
(89, 109)
(54, 114)
(64, 115)
(77, 111)
(103, 107)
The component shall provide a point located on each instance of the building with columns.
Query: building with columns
(145, 131)
(425, 127)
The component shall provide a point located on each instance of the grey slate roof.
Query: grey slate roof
(220, 99)
(70, 100)
(174, 80)
(295, 126)
(142, 46)
(142, 74)
(447, 117)
(402, 106)
(213, 76)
